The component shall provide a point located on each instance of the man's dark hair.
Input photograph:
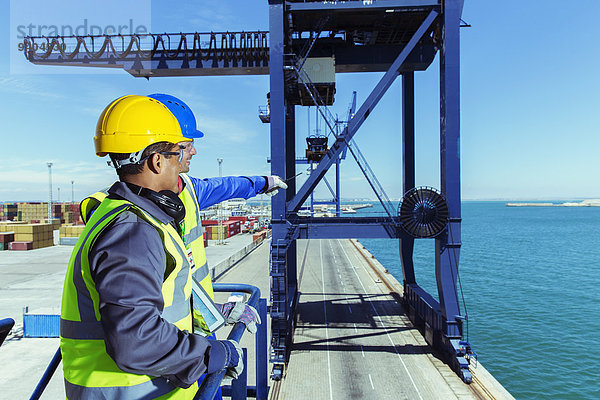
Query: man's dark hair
(134, 169)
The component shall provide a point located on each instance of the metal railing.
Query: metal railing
(6, 325)
(41, 386)
(239, 388)
(253, 45)
(212, 382)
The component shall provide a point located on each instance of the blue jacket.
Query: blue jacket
(211, 191)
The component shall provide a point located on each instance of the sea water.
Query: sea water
(529, 278)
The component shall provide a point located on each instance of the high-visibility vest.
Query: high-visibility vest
(192, 237)
(191, 227)
(89, 371)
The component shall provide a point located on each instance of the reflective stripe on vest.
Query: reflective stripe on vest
(88, 369)
(146, 390)
(81, 330)
(193, 235)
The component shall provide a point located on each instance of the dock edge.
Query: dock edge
(484, 385)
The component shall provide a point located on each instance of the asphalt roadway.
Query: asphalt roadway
(352, 339)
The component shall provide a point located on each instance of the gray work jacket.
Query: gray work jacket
(128, 264)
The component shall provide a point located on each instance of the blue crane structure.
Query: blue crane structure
(397, 37)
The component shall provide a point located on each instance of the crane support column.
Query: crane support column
(447, 247)
(280, 306)
(407, 244)
(338, 198)
(291, 262)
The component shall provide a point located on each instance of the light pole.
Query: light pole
(220, 207)
(58, 197)
(72, 192)
(49, 191)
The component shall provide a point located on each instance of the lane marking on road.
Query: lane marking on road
(349, 308)
(355, 330)
(325, 315)
(371, 380)
(381, 321)
(362, 350)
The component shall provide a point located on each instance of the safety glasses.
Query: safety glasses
(169, 153)
(187, 146)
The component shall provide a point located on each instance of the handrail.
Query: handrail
(41, 386)
(211, 383)
(6, 325)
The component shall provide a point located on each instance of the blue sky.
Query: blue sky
(529, 95)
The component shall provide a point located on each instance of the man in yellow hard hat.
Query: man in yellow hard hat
(196, 195)
(126, 318)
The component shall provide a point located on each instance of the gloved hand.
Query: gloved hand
(240, 312)
(234, 362)
(274, 183)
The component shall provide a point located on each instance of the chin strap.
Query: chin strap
(134, 158)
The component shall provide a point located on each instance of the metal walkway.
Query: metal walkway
(352, 338)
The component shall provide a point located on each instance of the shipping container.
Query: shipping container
(42, 324)
(209, 222)
(7, 237)
(19, 246)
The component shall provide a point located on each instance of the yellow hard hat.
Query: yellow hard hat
(131, 123)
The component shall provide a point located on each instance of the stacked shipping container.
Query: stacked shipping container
(32, 211)
(30, 227)
(5, 239)
(8, 212)
(229, 229)
(36, 212)
(28, 236)
(71, 230)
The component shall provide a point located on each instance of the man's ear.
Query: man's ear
(155, 163)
